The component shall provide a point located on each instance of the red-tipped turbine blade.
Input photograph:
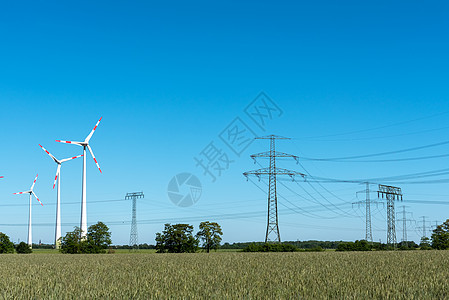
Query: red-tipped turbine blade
(19, 193)
(46, 151)
(92, 132)
(57, 174)
(34, 182)
(70, 158)
(93, 156)
(68, 142)
(37, 198)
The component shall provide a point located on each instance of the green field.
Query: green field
(336, 275)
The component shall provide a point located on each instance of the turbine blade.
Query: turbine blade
(69, 142)
(34, 182)
(93, 156)
(57, 174)
(54, 158)
(37, 198)
(19, 193)
(92, 132)
(70, 158)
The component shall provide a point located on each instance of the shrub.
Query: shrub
(23, 248)
(354, 246)
(268, 247)
(6, 246)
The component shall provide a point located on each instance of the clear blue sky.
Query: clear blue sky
(169, 77)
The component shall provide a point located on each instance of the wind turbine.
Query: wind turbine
(29, 219)
(85, 145)
(58, 194)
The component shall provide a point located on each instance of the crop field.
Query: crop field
(335, 275)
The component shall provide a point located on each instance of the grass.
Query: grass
(323, 275)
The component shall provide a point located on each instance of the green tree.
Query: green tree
(23, 248)
(6, 246)
(440, 236)
(72, 243)
(210, 234)
(98, 238)
(176, 238)
(425, 245)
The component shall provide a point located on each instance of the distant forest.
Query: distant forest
(312, 244)
(302, 245)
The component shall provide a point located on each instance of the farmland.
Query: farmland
(411, 274)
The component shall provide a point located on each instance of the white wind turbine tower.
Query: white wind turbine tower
(85, 145)
(29, 219)
(58, 194)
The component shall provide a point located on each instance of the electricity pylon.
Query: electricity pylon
(133, 238)
(272, 233)
(423, 227)
(391, 194)
(367, 203)
(404, 222)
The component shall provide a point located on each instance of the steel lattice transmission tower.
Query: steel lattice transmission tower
(391, 194)
(367, 203)
(423, 227)
(369, 231)
(404, 222)
(133, 237)
(272, 233)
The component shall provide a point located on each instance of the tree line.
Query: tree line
(6, 246)
(179, 238)
(175, 238)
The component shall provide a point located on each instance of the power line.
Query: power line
(381, 127)
(344, 213)
(227, 216)
(68, 203)
(301, 196)
(377, 154)
(382, 160)
(396, 178)
(377, 137)
(302, 210)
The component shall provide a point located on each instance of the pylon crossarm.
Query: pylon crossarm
(275, 171)
(275, 153)
(272, 136)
